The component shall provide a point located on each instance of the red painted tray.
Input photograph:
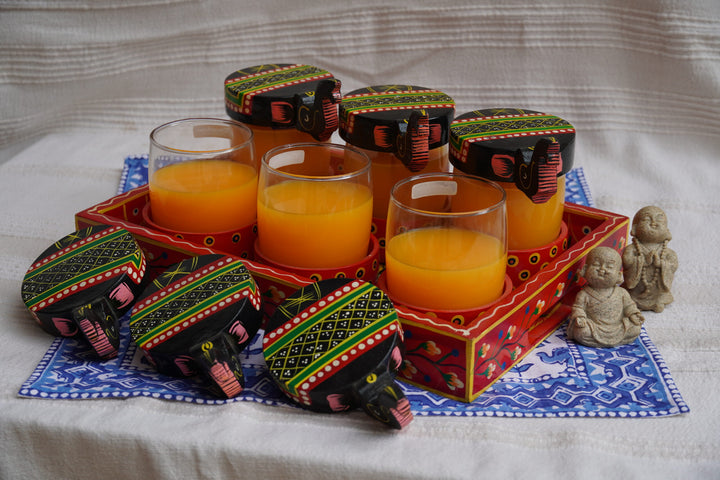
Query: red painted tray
(457, 360)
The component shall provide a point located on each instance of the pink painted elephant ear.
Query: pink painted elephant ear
(337, 402)
(186, 365)
(66, 327)
(238, 330)
(84, 282)
(336, 345)
(122, 295)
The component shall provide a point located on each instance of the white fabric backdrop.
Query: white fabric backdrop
(83, 81)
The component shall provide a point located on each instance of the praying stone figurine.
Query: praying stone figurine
(604, 314)
(649, 265)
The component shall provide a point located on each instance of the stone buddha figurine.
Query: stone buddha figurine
(649, 265)
(604, 314)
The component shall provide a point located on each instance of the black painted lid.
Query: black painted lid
(336, 344)
(194, 299)
(83, 283)
(520, 146)
(284, 95)
(81, 267)
(405, 120)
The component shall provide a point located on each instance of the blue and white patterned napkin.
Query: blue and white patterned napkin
(556, 379)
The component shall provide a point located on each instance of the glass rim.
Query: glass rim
(201, 120)
(449, 175)
(302, 146)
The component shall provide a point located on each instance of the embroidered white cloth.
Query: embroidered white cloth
(83, 81)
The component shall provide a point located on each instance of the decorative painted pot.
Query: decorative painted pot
(283, 103)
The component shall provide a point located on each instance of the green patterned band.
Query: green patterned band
(90, 263)
(181, 307)
(332, 358)
(333, 332)
(264, 78)
(416, 99)
(490, 128)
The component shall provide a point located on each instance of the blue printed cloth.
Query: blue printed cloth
(557, 379)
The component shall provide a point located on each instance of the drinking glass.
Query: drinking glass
(202, 175)
(446, 242)
(314, 205)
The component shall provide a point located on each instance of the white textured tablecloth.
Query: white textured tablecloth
(83, 81)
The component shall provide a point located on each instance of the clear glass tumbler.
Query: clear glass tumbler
(314, 205)
(202, 175)
(446, 242)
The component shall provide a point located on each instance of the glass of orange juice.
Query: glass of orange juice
(202, 175)
(314, 205)
(446, 242)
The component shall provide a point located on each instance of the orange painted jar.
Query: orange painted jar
(404, 130)
(528, 153)
(283, 103)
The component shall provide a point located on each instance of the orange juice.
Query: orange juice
(315, 224)
(532, 225)
(445, 268)
(204, 196)
(387, 170)
(267, 138)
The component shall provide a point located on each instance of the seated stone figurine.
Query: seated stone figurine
(648, 263)
(603, 314)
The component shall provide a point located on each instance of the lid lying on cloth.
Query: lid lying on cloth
(83, 283)
(297, 96)
(196, 317)
(335, 345)
(514, 145)
(405, 120)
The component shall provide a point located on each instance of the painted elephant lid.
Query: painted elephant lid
(406, 120)
(520, 146)
(336, 345)
(83, 282)
(196, 317)
(284, 95)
